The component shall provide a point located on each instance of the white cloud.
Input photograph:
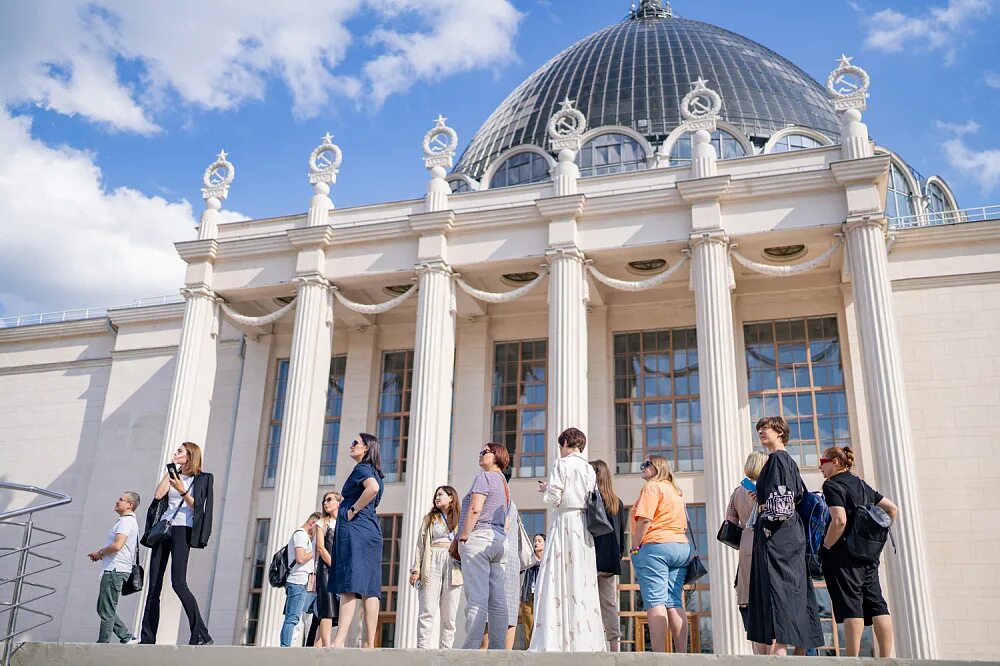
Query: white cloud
(992, 79)
(67, 242)
(118, 62)
(982, 166)
(968, 127)
(938, 28)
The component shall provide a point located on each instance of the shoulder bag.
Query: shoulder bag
(598, 522)
(137, 576)
(696, 568)
(730, 533)
(160, 531)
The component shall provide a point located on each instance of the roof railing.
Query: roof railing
(87, 313)
(935, 219)
(26, 550)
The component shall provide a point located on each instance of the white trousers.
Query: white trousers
(438, 603)
(483, 559)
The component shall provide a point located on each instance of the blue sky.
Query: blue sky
(110, 110)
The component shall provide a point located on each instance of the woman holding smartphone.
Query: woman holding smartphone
(183, 496)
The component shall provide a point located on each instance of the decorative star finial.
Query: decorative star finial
(327, 138)
(844, 61)
(567, 104)
(222, 156)
(440, 121)
(699, 84)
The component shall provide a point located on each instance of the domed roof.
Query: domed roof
(635, 74)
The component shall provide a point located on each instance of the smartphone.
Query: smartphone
(748, 484)
(172, 471)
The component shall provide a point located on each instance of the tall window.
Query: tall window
(394, 412)
(258, 563)
(520, 169)
(331, 429)
(697, 603)
(519, 398)
(899, 196)
(726, 145)
(792, 142)
(391, 526)
(534, 522)
(937, 204)
(794, 370)
(611, 153)
(657, 405)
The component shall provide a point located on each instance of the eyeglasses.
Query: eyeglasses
(484, 452)
(645, 465)
(823, 461)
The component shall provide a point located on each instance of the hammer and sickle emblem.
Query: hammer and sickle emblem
(566, 125)
(700, 106)
(218, 175)
(325, 159)
(439, 142)
(845, 86)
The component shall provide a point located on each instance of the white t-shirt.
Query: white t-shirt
(185, 517)
(123, 560)
(299, 573)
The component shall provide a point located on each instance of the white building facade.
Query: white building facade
(660, 285)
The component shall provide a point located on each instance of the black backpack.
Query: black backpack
(277, 573)
(869, 531)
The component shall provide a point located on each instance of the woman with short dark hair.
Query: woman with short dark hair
(358, 541)
(782, 608)
(853, 584)
(186, 500)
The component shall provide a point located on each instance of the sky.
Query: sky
(110, 110)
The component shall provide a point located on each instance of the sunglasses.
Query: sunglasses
(645, 465)
(484, 452)
(823, 461)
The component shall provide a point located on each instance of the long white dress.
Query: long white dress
(567, 606)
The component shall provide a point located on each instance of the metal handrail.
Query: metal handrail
(84, 313)
(27, 549)
(938, 218)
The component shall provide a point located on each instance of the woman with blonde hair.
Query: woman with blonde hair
(741, 507)
(325, 609)
(661, 553)
(434, 574)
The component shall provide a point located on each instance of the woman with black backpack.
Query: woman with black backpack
(851, 548)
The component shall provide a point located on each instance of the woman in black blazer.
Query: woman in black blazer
(187, 499)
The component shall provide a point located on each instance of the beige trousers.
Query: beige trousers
(607, 589)
(438, 600)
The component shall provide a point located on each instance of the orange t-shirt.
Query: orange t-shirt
(664, 508)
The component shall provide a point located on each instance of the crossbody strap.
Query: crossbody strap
(687, 529)
(181, 505)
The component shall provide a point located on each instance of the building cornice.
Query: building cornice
(436, 222)
(372, 232)
(561, 208)
(53, 367)
(947, 234)
(250, 247)
(784, 183)
(939, 281)
(145, 352)
(857, 172)
(62, 329)
(311, 237)
(133, 315)
(198, 250)
(702, 190)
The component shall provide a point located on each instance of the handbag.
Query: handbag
(598, 523)
(136, 577)
(160, 531)
(730, 534)
(696, 568)
(525, 553)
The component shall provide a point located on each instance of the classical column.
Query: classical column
(297, 475)
(567, 400)
(722, 436)
(430, 425)
(885, 396)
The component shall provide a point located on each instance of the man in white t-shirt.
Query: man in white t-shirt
(117, 557)
(302, 563)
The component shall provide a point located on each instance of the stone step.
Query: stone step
(89, 654)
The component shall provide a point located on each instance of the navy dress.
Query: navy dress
(358, 544)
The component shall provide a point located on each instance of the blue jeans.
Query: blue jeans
(297, 600)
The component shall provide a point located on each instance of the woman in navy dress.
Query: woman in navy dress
(357, 563)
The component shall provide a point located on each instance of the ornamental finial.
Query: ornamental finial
(440, 144)
(324, 161)
(217, 179)
(566, 126)
(848, 85)
(700, 107)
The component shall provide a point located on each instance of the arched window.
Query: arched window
(937, 204)
(792, 142)
(519, 169)
(726, 147)
(459, 185)
(611, 153)
(899, 197)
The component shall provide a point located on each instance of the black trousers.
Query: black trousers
(176, 551)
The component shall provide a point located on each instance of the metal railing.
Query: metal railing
(934, 219)
(24, 552)
(87, 313)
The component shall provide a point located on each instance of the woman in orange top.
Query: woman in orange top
(660, 553)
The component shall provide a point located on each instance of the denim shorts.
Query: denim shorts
(661, 569)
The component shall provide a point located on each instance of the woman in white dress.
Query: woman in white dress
(567, 606)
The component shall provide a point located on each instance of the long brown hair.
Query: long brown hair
(322, 504)
(611, 500)
(193, 466)
(664, 473)
(451, 513)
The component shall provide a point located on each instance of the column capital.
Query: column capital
(867, 170)
(702, 190)
(435, 222)
(309, 238)
(314, 279)
(567, 251)
(701, 237)
(859, 221)
(198, 250)
(199, 290)
(433, 267)
(560, 208)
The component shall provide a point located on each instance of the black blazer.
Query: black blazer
(201, 527)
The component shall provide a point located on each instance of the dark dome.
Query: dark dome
(635, 74)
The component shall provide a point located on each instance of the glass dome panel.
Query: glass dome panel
(459, 185)
(793, 142)
(611, 153)
(521, 169)
(727, 147)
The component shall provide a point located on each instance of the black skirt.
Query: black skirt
(327, 604)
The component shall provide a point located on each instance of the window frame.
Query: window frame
(402, 416)
(258, 563)
(518, 408)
